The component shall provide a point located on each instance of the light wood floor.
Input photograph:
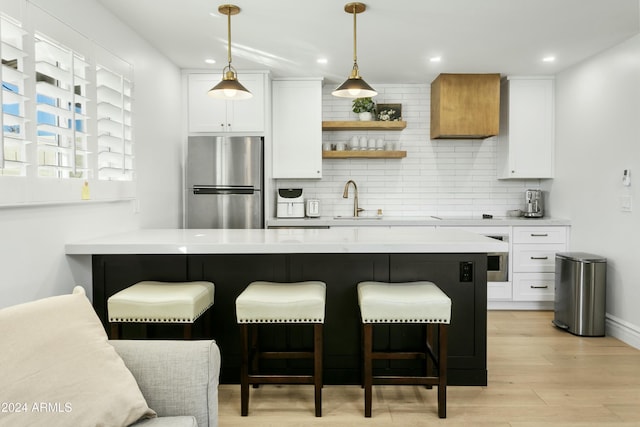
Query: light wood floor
(538, 375)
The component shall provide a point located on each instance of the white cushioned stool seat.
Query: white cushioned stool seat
(271, 302)
(409, 302)
(161, 302)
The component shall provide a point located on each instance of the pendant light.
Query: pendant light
(354, 86)
(229, 88)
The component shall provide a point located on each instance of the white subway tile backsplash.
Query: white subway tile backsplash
(439, 177)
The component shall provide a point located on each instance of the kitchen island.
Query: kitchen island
(453, 259)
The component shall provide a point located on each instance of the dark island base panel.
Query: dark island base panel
(341, 272)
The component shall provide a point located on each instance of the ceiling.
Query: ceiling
(396, 38)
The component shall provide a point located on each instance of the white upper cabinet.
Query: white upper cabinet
(297, 128)
(207, 114)
(527, 131)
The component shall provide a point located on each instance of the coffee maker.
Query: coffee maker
(533, 205)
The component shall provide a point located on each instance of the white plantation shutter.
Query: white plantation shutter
(66, 113)
(115, 145)
(61, 111)
(13, 144)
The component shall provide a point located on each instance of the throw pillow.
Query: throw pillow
(57, 368)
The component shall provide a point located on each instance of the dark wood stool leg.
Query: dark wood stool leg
(115, 331)
(244, 370)
(362, 356)
(254, 352)
(367, 340)
(207, 322)
(317, 366)
(188, 331)
(442, 370)
(429, 368)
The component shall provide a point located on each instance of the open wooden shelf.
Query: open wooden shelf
(363, 125)
(364, 154)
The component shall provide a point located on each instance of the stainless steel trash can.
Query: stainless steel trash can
(580, 293)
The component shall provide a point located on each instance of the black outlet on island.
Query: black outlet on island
(466, 271)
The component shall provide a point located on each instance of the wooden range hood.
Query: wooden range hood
(465, 106)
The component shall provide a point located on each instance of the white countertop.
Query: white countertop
(289, 240)
(421, 221)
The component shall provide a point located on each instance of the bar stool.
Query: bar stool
(410, 302)
(271, 302)
(160, 302)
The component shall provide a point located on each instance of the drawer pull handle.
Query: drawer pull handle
(539, 257)
(539, 235)
(539, 287)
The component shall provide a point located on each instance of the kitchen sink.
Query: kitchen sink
(462, 217)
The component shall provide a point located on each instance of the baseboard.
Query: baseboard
(622, 330)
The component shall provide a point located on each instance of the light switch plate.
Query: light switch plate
(626, 178)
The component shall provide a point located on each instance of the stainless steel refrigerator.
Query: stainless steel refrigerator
(224, 181)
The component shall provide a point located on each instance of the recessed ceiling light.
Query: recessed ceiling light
(548, 59)
(435, 59)
(210, 61)
(322, 60)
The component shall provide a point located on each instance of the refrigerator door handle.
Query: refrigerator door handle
(224, 190)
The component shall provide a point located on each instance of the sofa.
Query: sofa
(59, 369)
(179, 380)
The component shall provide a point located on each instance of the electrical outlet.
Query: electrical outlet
(626, 203)
(466, 271)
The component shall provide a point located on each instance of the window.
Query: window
(61, 104)
(66, 113)
(13, 153)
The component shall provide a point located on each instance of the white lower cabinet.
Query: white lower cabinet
(535, 258)
(540, 235)
(533, 261)
(499, 291)
(532, 253)
(533, 286)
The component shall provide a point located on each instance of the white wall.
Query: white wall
(32, 260)
(438, 177)
(598, 136)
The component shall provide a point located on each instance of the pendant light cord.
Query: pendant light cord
(229, 36)
(355, 49)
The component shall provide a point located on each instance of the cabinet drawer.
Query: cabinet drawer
(533, 286)
(535, 258)
(499, 291)
(539, 235)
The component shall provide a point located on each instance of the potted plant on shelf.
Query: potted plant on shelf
(364, 107)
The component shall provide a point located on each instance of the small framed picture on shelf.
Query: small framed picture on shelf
(389, 112)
